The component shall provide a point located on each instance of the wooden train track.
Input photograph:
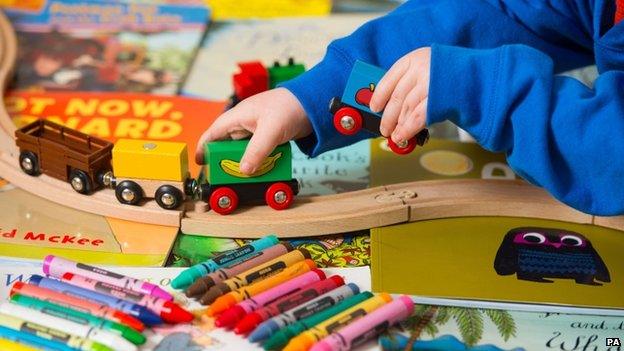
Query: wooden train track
(309, 216)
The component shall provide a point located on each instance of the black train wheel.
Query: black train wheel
(80, 181)
(128, 192)
(168, 197)
(29, 163)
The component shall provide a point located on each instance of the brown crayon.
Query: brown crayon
(203, 284)
(255, 274)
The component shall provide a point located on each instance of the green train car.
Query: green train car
(225, 186)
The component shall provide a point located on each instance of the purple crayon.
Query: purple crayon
(370, 325)
(57, 266)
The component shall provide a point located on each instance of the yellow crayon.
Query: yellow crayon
(72, 341)
(305, 340)
(232, 298)
(13, 346)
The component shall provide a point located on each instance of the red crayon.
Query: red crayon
(285, 303)
(77, 304)
(167, 310)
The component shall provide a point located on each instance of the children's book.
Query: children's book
(31, 227)
(230, 42)
(438, 159)
(79, 45)
(451, 328)
(114, 115)
(550, 265)
(245, 9)
(340, 250)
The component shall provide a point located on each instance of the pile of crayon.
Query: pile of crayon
(80, 307)
(276, 296)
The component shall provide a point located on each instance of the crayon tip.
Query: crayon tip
(129, 321)
(337, 279)
(96, 346)
(132, 335)
(161, 293)
(222, 303)
(230, 317)
(15, 289)
(183, 280)
(299, 343)
(211, 295)
(175, 314)
(200, 287)
(148, 317)
(263, 331)
(248, 323)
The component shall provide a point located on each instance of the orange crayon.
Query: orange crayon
(232, 298)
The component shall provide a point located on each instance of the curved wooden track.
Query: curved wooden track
(309, 216)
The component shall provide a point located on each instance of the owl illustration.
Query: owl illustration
(537, 253)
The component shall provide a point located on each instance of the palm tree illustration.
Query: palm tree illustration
(469, 321)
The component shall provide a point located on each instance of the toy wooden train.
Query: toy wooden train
(255, 78)
(141, 169)
(352, 113)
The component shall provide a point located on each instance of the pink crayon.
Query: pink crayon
(235, 313)
(370, 325)
(57, 266)
(167, 310)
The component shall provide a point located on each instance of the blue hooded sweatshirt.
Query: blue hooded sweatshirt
(494, 66)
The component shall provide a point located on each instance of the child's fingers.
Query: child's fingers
(262, 143)
(412, 100)
(391, 113)
(413, 123)
(386, 85)
(220, 129)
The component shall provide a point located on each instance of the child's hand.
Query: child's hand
(403, 91)
(271, 118)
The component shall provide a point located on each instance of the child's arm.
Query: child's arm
(418, 24)
(382, 42)
(557, 133)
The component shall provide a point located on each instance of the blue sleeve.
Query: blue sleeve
(557, 133)
(418, 23)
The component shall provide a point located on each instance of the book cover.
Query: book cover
(229, 42)
(115, 115)
(438, 159)
(31, 227)
(106, 45)
(448, 328)
(501, 259)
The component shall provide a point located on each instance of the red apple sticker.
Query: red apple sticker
(364, 95)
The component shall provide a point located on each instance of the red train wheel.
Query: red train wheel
(409, 146)
(223, 200)
(347, 120)
(279, 196)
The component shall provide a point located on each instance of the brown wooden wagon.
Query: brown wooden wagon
(66, 154)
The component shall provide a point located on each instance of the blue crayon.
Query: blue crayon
(138, 311)
(267, 328)
(189, 275)
(33, 340)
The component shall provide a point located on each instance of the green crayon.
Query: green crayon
(282, 337)
(70, 314)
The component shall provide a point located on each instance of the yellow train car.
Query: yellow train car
(151, 169)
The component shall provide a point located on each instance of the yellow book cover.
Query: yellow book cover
(501, 259)
(438, 159)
